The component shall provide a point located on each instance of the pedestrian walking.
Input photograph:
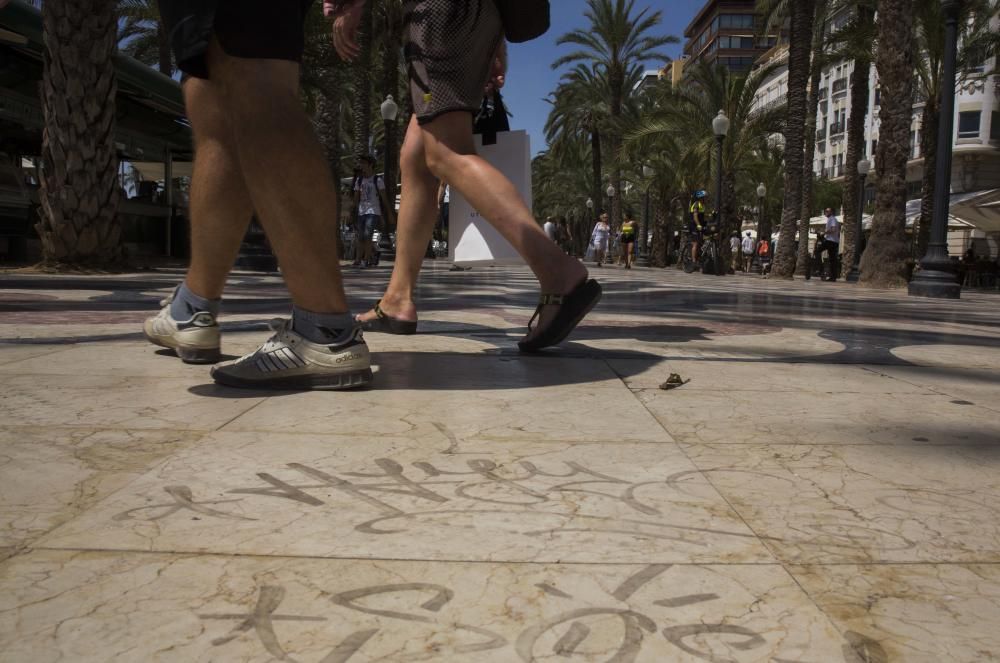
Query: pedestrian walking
(831, 242)
(241, 90)
(564, 236)
(746, 247)
(453, 49)
(734, 252)
(628, 236)
(600, 238)
(549, 227)
(370, 199)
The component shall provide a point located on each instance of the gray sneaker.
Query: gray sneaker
(289, 361)
(196, 341)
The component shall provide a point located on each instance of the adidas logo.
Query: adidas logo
(203, 319)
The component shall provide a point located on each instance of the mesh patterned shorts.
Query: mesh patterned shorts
(449, 48)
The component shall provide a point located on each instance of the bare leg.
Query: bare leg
(220, 205)
(451, 156)
(286, 175)
(414, 227)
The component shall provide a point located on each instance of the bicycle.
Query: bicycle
(711, 255)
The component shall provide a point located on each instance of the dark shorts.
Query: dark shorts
(449, 48)
(367, 225)
(254, 29)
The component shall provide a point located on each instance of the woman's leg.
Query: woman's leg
(417, 215)
(450, 155)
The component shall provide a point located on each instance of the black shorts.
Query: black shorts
(449, 48)
(255, 29)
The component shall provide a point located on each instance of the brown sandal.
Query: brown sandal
(387, 324)
(573, 307)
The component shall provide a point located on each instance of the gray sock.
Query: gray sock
(186, 304)
(323, 328)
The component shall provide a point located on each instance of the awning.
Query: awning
(981, 209)
(153, 170)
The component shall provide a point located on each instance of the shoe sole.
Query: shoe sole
(327, 382)
(187, 354)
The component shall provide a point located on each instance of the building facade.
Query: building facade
(725, 32)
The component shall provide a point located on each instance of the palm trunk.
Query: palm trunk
(79, 188)
(595, 156)
(163, 50)
(390, 85)
(617, 83)
(928, 150)
(860, 88)
(661, 216)
(800, 46)
(363, 85)
(727, 216)
(884, 261)
(812, 108)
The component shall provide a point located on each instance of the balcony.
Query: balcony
(837, 128)
(821, 134)
(839, 85)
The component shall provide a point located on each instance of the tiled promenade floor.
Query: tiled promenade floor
(826, 488)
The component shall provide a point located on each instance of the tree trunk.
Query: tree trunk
(595, 155)
(617, 84)
(928, 150)
(391, 52)
(860, 89)
(729, 222)
(163, 49)
(661, 215)
(79, 188)
(800, 46)
(884, 260)
(812, 108)
(363, 85)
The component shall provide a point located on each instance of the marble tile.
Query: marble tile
(399, 498)
(126, 359)
(949, 356)
(733, 375)
(732, 417)
(918, 613)
(481, 405)
(50, 475)
(11, 353)
(57, 606)
(839, 504)
(124, 402)
(980, 386)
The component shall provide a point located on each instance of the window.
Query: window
(878, 96)
(736, 42)
(729, 21)
(968, 124)
(874, 148)
(995, 126)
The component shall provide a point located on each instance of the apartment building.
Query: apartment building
(725, 32)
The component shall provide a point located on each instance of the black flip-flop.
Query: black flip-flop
(572, 309)
(387, 324)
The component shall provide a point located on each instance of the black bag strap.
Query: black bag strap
(524, 20)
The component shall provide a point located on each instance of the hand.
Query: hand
(345, 30)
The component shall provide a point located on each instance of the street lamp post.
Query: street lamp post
(864, 167)
(935, 278)
(389, 111)
(720, 126)
(761, 195)
(644, 252)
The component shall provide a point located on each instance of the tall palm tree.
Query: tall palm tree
(79, 188)
(362, 103)
(616, 42)
(801, 13)
(978, 43)
(684, 115)
(390, 37)
(142, 35)
(819, 60)
(855, 41)
(884, 261)
(580, 111)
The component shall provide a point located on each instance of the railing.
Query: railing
(837, 128)
(840, 85)
(821, 134)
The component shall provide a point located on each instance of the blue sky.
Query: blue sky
(530, 77)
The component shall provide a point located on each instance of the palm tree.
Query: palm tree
(390, 35)
(978, 43)
(684, 115)
(801, 14)
(616, 42)
(362, 104)
(142, 35)
(884, 261)
(580, 111)
(854, 41)
(79, 189)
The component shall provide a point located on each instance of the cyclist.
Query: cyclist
(696, 222)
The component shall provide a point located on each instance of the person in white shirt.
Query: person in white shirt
(747, 248)
(831, 242)
(550, 229)
(368, 189)
(734, 253)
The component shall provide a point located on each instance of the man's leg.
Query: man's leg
(450, 155)
(286, 176)
(220, 205)
(414, 227)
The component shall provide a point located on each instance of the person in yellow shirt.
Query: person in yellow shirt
(628, 235)
(696, 222)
